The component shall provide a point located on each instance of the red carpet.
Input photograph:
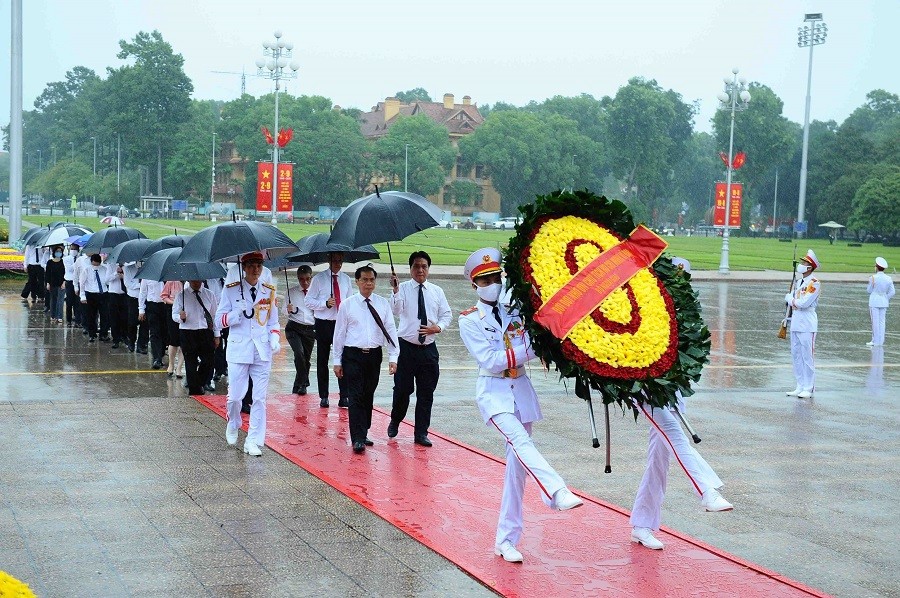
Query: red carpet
(447, 498)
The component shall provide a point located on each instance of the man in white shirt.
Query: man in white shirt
(424, 312)
(193, 310)
(880, 289)
(151, 310)
(32, 259)
(117, 304)
(73, 303)
(364, 324)
(92, 289)
(300, 330)
(136, 331)
(326, 291)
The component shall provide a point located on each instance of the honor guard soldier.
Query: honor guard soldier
(804, 325)
(495, 336)
(881, 289)
(248, 309)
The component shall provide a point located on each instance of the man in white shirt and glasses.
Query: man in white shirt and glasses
(193, 309)
(300, 330)
(364, 325)
(424, 312)
(326, 292)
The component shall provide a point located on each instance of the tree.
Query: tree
(189, 167)
(464, 192)
(148, 101)
(875, 203)
(412, 95)
(430, 156)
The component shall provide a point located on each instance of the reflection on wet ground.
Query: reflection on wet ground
(108, 459)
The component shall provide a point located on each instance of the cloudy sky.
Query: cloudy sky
(357, 53)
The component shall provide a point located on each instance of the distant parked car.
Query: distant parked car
(444, 224)
(505, 223)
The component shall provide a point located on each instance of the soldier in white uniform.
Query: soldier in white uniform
(804, 325)
(249, 310)
(881, 289)
(667, 438)
(495, 336)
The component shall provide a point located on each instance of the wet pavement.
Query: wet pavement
(114, 482)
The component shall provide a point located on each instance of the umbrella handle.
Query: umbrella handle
(287, 292)
(391, 258)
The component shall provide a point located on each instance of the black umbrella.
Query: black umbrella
(316, 249)
(228, 241)
(164, 265)
(104, 240)
(388, 216)
(129, 251)
(164, 243)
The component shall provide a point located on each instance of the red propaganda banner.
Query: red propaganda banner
(285, 198)
(737, 193)
(594, 283)
(264, 178)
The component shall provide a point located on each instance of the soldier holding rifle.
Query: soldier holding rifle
(802, 303)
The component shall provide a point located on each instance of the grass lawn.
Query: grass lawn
(452, 247)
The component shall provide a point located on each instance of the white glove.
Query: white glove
(788, 298)
(275, 342)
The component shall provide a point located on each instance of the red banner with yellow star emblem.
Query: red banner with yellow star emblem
(285, 197)
(264, 184)
(737, 194)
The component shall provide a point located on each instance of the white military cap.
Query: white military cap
(881, 263)
(811, 258)
(484, 261)
(680, 262)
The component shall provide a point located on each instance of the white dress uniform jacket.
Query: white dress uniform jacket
(248, 337)
(499, 349)
(804, 300)
(881, 289)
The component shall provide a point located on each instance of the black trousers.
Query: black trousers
(324, 338)
(93, 309)
(135, 331)
(35, 282)
(418, 365)
(301, 337)
(73, 304)
(198, 347)
(361, 370)
(158, 328)
(220, 364)
(117, 307)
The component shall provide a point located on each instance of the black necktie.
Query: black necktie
(423, 319)
(206, 314)
(206, 284)
(379, 322)
(253, 294)
(496, 312)
(99, 284)
(122, 281)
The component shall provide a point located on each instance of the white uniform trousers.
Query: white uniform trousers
(878, 317)
(238, 376)
(667, 438)
(522, 459)
(803, 349)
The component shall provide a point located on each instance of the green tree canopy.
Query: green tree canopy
(412, 95)
(431, 155)
(875, 203)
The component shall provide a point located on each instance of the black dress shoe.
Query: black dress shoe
(422, 440)
(358, 447)
(104, 339)
(302, 390)
(368, 442)
(170, 375)
(142, 350)
(344, 402)
(323, 402)
(115, 345)
(393, 429)
(130, 347)
(156, 364)
(91, 339)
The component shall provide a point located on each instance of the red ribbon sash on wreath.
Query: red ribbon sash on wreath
(595, 282)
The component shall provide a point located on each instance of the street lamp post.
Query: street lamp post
(212, 186)
(40, 160)
(405, 166)
(734, 98)
(809, 35)
(118, 163)
(279, 53)
(94, 195)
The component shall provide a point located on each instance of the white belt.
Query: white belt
(510, 373)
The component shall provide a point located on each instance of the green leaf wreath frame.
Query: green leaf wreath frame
(693, 344)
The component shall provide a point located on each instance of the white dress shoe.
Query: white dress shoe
(564, 500)
(794, 392)
(713, 502)
(252, 450)
(804, 395)
(509, 553)
(645, 537)
(870, 344)
(231, 435)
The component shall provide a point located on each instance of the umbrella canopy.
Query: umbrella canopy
(112, 221)
(31, 232)
(164, 265)
(104, 240)
(83, 240)
(315, 248)
(832, 224)
(166, 242)
(59, 235)
(388, 216)
(228, 241)
(129, 251)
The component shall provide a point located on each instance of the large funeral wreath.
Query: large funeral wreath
(645, 341)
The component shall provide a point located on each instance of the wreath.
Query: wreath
(645, 341)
